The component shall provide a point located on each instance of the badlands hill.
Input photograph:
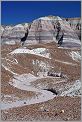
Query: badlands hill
(44, 30)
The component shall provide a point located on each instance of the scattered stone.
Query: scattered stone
(5, 111)
(24, 102)
(45, 110)
(56, 114)
(62, 111)
(65, 119)
(41, 108)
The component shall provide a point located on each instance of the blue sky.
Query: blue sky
(14, 12)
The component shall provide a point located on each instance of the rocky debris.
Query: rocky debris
(54, 107)
(73, 90)
(55, 74)
(24, 102)
(62, 111)
(75, 55)
(43, 52)
(43, 109)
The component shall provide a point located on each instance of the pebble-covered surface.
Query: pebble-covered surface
(59, 108)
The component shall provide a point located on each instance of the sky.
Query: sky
(15, 12)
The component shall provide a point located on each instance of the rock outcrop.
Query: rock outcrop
(65, 32)
(14, 33)
(46, 30)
